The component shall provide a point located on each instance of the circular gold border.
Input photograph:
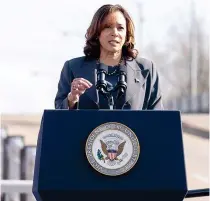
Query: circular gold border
(138, 145)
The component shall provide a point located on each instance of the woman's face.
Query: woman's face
(113, 36)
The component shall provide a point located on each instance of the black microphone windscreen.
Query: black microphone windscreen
(122, 68)
(102, 67)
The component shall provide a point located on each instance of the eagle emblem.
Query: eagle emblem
(112, 148)
(112, 152)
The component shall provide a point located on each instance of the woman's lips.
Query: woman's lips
(113, 42)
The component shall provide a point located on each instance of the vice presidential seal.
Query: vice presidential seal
(112, 149)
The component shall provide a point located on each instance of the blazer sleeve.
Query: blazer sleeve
(155, 101)
(64, 87)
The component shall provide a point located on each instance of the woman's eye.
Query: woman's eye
(121, 28)
(107, 26)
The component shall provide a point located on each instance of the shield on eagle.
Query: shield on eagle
(112, 153)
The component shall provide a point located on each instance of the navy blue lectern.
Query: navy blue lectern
(63, 173)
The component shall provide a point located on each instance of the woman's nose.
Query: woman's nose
(114, 31)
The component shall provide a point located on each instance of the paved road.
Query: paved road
(197, 163)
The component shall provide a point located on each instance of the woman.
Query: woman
(109, 42)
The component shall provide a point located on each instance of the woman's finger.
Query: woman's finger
(85, 84)
(86, 81)
(78, 87)
(83, 80)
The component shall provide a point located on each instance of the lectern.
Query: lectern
(81, 156)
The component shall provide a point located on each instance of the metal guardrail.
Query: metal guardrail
(3, 135)
(18, 186)
(17, 168)
(27, 167)
(13, 147)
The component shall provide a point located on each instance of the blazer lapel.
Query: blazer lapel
(135, 80)
(88, 71)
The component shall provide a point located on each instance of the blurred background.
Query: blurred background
(37, 37)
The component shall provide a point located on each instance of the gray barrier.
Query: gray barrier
(13, 149)
(27, 168)
(3, 133)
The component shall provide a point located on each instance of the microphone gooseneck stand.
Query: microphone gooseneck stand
(102, 88)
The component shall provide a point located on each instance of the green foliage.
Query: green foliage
(100, 156)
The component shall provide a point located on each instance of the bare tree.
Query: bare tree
(175, 63)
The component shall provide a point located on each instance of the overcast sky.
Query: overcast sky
(37, 37)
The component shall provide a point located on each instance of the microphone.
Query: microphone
(101, 82)
(121, 85)
(102, 85)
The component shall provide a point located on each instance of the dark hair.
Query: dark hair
(92, 47)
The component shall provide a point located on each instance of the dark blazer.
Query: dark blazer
(143, 88)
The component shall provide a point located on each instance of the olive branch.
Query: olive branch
(100, 155)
